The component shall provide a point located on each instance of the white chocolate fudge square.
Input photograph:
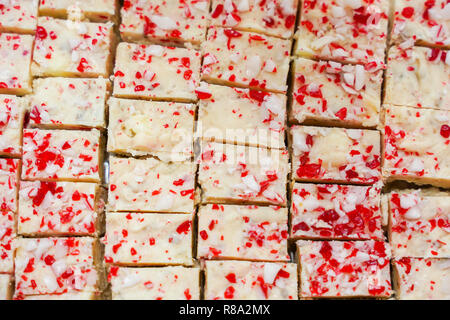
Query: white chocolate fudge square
(421, 22)
(245, 280)
(16, 51)
(57, 265)
(69, 103)
(422, 279)
(156, 72)
(416, 145)
(346, 31)
(332, 93)
(165, 283)
(335, 154)
(18, 16)
(7, 241)
(12, 111)
(418, 77)
(273, 17)
(5, 286)
(72, 48)
(241, 116)
(245, 59)
(59, 208)
(238, 174)
(165, 21)
(162, 129)
(242, 232)
(94, 10)
(149, 185)
(61, 155)
(145, 239)
(419, 224)
(9, 182)
(343, 269)
(325, 211)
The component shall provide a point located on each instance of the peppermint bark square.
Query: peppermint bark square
(241, 116)
(57, 265)
(94, 10)
(162, 129)
(174, 21)
(70, 155)
(19, 16)
(242, 232)
(352, 157)
(15, 76)
(147, 239)
(335, 94)
(416, 145)
(9, 184)
(325, 211)
(164, 283)
(422, 279)
(7, 241)
(12, 111)
(245, 280)
(421, 22)
(344, 269)
(418, 77)
(244, 175)
(245, 59)
(344, 31)
(63, 103)
(6, 286)
(60, 208)
(419, 223)
(68, 48)
(273, 17)
(149, 185)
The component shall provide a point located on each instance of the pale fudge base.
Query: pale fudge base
(166, 283)
(6, 281)
(12, 111)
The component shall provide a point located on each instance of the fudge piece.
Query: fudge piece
(7, 241)
(245, 59)
(165, 21)
(162, 129)
(18, 16)
(416, 145)
(418, 77)
(242, 232)
(9, 181)
(244, 280)
(422, 22)
(59, 208)
(12, 111)
(330, 211)
(149, 185)
(156, 72)
(15, 50)
(145, 239)
(69, 103)
(238, 174)
(61, 155)
(5, 286)
(344, 269)
(272, 17)
(166, 283)
(57, 265)
(422, 279)
(94, 10)
(332, 93)
(353, 156)
(419, 224)
(241, 116)
(72, 48)
(348, 31)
